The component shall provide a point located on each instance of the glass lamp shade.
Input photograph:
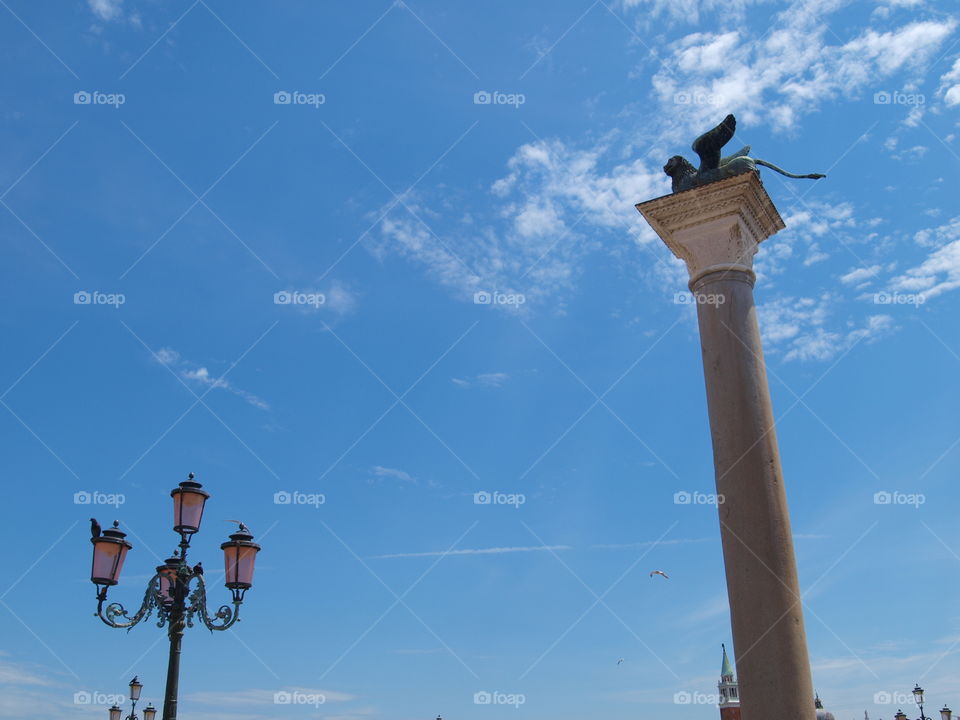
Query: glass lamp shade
(149, 712)
(946, 713)
(239, 556)
(918, 694)
(115, 713)
(109, 552)
(900, 715)
(135, 687)
(168, 579)
(188, 501)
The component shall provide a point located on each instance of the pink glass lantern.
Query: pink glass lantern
(115, 713)
(109, 551)
(168, 579)
(188, 502)
(239, 556)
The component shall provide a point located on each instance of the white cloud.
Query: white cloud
(790, 71)
(385, 472)
(262, 697)
(202, 376)
(167, 356)
(797, 328)
(477, 551)
(534, 243)
(940, 271)
(493, 380)
(859, 276)
(690, 11)
(950, 85)
(106, 9)
(172, 359)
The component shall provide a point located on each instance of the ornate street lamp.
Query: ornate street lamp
(900, 715)
(168, 591)
(946, 713)
(149, 712)
(918, 696)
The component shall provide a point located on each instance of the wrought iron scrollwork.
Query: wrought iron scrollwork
(224, 617)
(111, 612)
(115, 615)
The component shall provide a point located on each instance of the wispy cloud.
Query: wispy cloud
(476, 551)
(394, 473)
(493, 380)
(263, 697)
(106, 9)
(940, 271)
(649, 543)
(797, 328)
(200, 375)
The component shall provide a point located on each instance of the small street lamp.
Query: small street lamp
(149, 712)
(945, 714)
(918, 697)
(168, 591)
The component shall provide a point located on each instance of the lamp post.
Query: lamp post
(149, 712)
(945, 714)
(168, 591)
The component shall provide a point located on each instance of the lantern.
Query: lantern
(109, 552)
(168, 579)
(115, 713)
(239, 555)
(149, 712)
(135, 687)
(188, 501)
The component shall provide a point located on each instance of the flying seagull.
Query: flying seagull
(659, 572)
(243, 528)
(619, 661)
(94, 528)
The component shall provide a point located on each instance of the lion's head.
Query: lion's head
(678, 166)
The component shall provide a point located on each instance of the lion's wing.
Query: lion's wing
(743, 152)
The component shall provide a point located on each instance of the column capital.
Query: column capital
(715, 227)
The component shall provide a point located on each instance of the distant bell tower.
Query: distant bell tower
(729, 691)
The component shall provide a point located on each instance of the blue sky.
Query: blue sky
(152, 167)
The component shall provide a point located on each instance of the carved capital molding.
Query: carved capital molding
(715, 227)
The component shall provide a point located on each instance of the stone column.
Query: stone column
(715, 229)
